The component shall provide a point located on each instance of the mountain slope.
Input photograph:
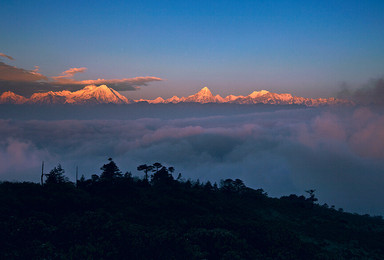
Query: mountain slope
(12, 98)
(98, 95)
(204, 96)
(50, 97)
(89, 95)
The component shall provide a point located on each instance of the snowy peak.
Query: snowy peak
(256, 97)
(48, 98)
(97, 95)
(256, 94)
(88, 95)
(203, 96)
(204, 92)
(104, 95)
(174, 99)
(158, 100)
(12, 98)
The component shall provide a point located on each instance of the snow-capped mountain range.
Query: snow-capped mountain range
(263, 96)
(104, 95)
(89, 95)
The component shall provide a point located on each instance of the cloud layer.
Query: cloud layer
(371, 93)
(26, 82)
(339, 152)
(14, 74)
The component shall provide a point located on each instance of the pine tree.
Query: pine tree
(56, 175)
(110, 171)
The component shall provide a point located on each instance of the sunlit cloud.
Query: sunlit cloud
(69, 73)
(12, 73)
(121, 84)
(117, 84)
(6, 56)
(26, 82)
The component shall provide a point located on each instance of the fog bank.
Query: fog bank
(337, 151)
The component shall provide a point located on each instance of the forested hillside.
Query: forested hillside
(163, 216)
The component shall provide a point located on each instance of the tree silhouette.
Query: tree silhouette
(230, 185)
(311, 194)
(227, 185)
(95, 178)
(157, 165)
(110, 171)
(208, 186)
(239, 185)
(162, 176)
(128, 175)
(82, 178)
(146, 169)
(56, 175)
(193, 220)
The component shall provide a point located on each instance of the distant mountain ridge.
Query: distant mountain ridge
(265, 97)
(89, 95)
(104, 95)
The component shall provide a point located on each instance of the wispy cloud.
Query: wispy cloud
(26, 82)
(6, 56)
(121, 84)
(69, 73)
(66, 78)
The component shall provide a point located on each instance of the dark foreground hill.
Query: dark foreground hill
(116, 216)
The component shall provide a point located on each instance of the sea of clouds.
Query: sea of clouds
(338, 151)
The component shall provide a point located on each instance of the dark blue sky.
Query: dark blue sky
(307, 48)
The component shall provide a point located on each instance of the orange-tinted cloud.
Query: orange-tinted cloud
(69, 73)
(26, 82)
(6, 56)
(11, 73)
(118, 84)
